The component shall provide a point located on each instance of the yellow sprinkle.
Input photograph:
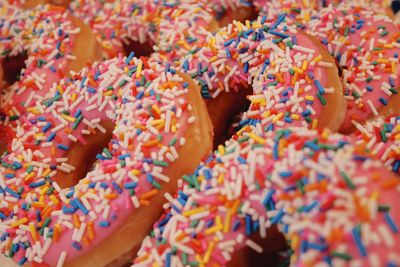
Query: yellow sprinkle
(309, 97)
(393, 65)
(325, 134)
(218, 226)
(135, 172)
(277, 117)
(19, 222)
(29, 176)
(44, 190)
(210, 249)
(317, 59)
(73, 97)
(305, 65)
(248, 24)
(266, 114)
(295, 116)
(258, 101)
(221, 178)
(228, 219)
(314, 124)
(296, 69)
(199, 260)
(239, 26)
(388, 45)
(192, 212)
(256, 138)
(68, 118)
(221, 150)
(213, 59)
(382, 60)
(54, 199)
(46, 172)
(139, 69)
(157, 122)
(33, 231)
(60, 89)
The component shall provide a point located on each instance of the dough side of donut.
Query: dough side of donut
(333, 113)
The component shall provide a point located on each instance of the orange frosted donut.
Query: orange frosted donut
(140, 126)
(334, 205)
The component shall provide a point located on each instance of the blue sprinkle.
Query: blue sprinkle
(391, 223)
(63, 147)
(277, 217)
(268, 198)
(229, 42)
(11, 192)
(236, 225)
(319, 86)
(278, 21)
(357, 240)
(2, 216)
(248, 225)
(130, 57)
(76, 245)
(78, 204)
(9, 175)
(285, 174)
(130, 185)
(369, 88)
(383, 101)
(311, 206)
(104, 223)
(315, 246)
(68, 210)
(279, 34)
(168, 259)
(23, 261)
(51, 137)
(228, 53)
(37, 184)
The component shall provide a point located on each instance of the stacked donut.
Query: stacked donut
(100, 143)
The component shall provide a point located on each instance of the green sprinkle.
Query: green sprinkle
(347, 180)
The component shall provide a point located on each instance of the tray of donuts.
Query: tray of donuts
(199, 133)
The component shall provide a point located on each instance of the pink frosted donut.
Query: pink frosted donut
(122, 26)
(381, 137)
(143, 123)
(335, 206)
(366, 47)
(50, 43)
(226, 11)
(235, 55)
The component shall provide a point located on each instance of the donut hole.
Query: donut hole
(224, 110)
(272, 246)
(83, 157)
(140, 50)
(12, 67)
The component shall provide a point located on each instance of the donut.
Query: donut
(138, 126)
(336, 207)
(124, 26)
(240, 52)
(381, 137)
(366, 47)
(226, 11)
(50, 43)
